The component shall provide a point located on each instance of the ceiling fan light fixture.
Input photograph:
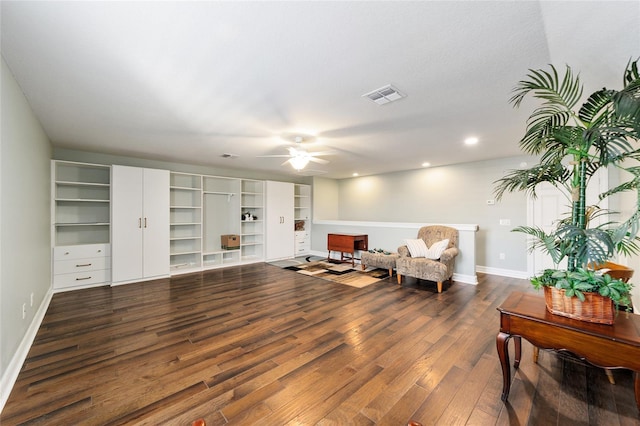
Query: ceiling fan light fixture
(300, 161)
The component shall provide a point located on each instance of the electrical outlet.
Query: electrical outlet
(491, 202)
(502, 256)
(24, 310)
(505, 222)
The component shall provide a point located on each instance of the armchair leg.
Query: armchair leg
(399, 279)
(439, 286)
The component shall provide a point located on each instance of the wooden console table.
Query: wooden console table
(608, 346)
(347, 243)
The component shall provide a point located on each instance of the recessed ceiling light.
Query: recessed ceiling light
(471, 141)
(355, 174)
(425, 164)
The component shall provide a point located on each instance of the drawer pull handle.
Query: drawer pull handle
(82, 279)
(99, 251)
(82, 265)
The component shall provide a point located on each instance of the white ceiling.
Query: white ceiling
(189, 81)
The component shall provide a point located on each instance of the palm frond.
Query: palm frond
(596, 103)
(548, 243)
(540, 129)
(527, 179)
(547, 86)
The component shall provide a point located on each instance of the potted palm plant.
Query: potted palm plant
(572, 143)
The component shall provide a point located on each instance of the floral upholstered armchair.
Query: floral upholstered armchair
(431, 256)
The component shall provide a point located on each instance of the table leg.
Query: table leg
(636, 386)
(502, 344)
(517, 342)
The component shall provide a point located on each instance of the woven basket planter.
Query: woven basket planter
(595, 308)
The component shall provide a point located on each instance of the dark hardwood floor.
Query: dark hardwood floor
(258, 344)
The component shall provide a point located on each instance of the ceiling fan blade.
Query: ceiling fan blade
(321, 153)
(318, 160)
(288, 161)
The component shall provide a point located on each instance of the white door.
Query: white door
(552, 205)
(280, 232)
(155, 251)
(126, 223)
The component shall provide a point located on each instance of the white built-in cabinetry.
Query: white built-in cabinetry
(203, 209)
(140, 223)
(185, 222)
(120, 224)
(302, 218)
(80, 224)
(221, 198)
(252, 220)
(279, 220)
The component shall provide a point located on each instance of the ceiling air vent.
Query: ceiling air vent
(384, 95)
(229, 155)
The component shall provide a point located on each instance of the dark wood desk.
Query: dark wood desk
(608, 346)
(347, 243)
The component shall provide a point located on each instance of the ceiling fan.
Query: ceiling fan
(299, 157)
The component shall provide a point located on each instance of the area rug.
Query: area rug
(342, 273)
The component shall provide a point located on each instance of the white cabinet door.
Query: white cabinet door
(140, 223)
(279, 220)
(126, 223)
(155, 251)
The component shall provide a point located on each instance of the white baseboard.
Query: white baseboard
(523, 275)
(465, 278)
(10, 375)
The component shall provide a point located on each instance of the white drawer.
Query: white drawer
(81, 265)
(302, 249)
(81, 278)
(81, 251)
(301, 237)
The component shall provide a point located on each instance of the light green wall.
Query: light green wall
(325, 199)
(454, 194)
(25, 249)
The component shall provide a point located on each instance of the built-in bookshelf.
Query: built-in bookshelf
(185, 222)
(81, 209)
(302, 219)
(252, 219)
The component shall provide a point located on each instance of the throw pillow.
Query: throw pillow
(435, 251)
(417, 248)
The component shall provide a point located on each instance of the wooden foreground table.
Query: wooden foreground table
(608, 346)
